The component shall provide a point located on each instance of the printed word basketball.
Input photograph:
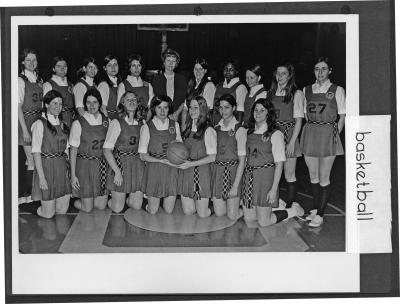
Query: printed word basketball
(177, 153)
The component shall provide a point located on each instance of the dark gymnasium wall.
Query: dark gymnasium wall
(267, 44)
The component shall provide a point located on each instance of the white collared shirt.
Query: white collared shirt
(104, 89)
(241, 134)
(37, 131)
(114, 130)
(76, 128)
(254, 90)
(160, 126)
(32, 77)
(210, 139)
(80, 90)
(170, 85)
(340, 95)
(277, 141)
(62, 82)
(241, 92)
(134, 82)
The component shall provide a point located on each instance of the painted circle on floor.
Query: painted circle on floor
(176, 222)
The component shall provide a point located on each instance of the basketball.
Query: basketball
(177, 153)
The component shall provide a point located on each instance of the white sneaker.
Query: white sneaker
(21, 200)
(312, 214)
(281, 206)
(28, 199)
(299, 209)
(316, 221)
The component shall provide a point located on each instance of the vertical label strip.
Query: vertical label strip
(368, 203)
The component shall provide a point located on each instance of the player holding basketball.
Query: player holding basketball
(126, 168)
(230, 160)
(320, 142)
(160, 175)
(194, 182)
(265, 157)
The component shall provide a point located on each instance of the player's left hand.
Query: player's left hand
(272, 197)
(187, 164)
(290, 149)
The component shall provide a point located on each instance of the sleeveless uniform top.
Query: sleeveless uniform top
(321, 106)
(248, 103)
(196, 147)
(141, 92)
(159, 140)
(112, 99)
(284, 111)
(195, 91)
(128, 139)
(226, 144)
(92, 138)
(53, 143)
(258, 150)
(220, 90)
(83, 81)
(33, 96)
(66, 93)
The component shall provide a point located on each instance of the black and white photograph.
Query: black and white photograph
(152, 148)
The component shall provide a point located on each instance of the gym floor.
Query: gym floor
(102, 231)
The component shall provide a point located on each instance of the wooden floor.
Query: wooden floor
(102, 231)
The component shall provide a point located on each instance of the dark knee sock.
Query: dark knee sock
(28, 181)
(315, 189)
(291, 194)
(325, 191)
(280, 215)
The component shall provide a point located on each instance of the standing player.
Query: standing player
(85, 82)
(194, 183)
(160, 176)
(288, 102)
(30, 96)
(257, 90)
(109, 85)
(320, 142)
(134, 83)
(172, 84)
(231, 85)
(51, 183)
(200, 84)
(126, 168)
(230, 160)
(265, 157)
(60, 83)
(88, 166)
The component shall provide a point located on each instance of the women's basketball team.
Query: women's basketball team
(106, 144)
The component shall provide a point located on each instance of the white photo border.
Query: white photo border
(183, 273)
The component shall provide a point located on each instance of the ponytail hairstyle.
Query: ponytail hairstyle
(290, 88)
(104, 76)
(141, 110)
(271, 117)
(51, 95)
(157, 100)
(80, 73)
(203, 122)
